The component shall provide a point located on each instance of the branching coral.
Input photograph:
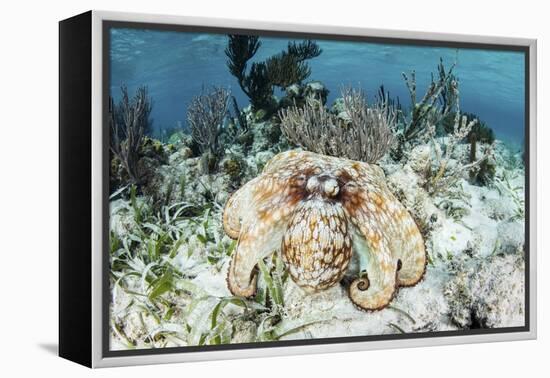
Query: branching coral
(258, 88)
(285, 69)
(281, 70)
(439, 175)
(304, 50)
(439, 101)
(205, 116)
(240, 49)
(372, 127)
(237, 130)
(480, 131)
(289, 66)
(438, 109)
(437, 119)
(128, 122)
(367, 136)
(240, 117)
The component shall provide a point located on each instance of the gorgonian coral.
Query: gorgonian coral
(365, 133)
(280, 70)
(128, 122)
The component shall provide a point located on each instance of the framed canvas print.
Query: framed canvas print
(234, 189)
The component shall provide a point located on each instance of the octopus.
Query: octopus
(319, 212)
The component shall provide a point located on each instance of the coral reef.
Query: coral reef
(298, 94)
(438, 103)
(440, 174)
(206, 116)
(128, 122)
(289, 67)
(365, 134)
(439, 112)
(240, 49)
(170, 265)
(440, 171)
(281, 70)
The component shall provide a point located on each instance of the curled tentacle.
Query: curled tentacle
(389, 232)
(375, 289)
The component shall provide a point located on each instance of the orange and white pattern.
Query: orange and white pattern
(319, 210)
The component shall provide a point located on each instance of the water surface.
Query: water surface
(176, 65)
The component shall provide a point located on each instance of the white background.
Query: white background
(29, 189)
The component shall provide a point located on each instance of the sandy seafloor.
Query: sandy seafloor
(474, 237)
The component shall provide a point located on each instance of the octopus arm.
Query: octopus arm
(376, 286)
(408, 247)
(379, 206)
(262, 211)
(258, 239)
(406, 242)
(235, 207)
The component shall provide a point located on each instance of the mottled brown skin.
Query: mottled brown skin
(320, 210)
(317, 245)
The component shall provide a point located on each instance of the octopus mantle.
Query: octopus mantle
(319, 211)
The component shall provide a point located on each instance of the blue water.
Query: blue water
(176, 65)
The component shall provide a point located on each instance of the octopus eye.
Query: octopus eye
(351, 187)
(299, 180)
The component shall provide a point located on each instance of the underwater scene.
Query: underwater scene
(267, 188)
